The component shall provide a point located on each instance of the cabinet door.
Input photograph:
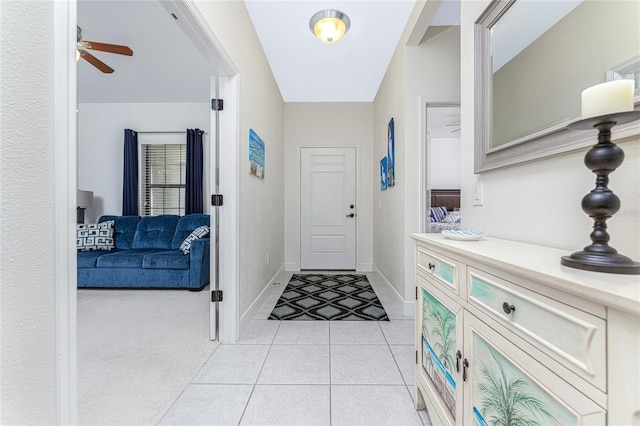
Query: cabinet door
(506, 386)
(440, 340)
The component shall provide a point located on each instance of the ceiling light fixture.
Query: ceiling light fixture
(329, 25)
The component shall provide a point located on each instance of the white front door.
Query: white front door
(328, 210)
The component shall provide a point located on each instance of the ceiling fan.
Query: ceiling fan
(454, 125)
(81, 45)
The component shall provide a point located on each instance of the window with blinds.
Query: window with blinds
(162, 177)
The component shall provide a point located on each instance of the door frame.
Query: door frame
(424, 152)
(65, 184)
(198, 30)
(298, 206)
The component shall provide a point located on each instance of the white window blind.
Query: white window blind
(162, 179)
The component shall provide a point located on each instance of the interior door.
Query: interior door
(328, 210)
(214, 186)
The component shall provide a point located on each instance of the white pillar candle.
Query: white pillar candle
(608, 98)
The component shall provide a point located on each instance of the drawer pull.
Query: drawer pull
(507, 308)
(458, 357)
(432, 266)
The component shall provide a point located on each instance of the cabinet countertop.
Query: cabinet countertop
(538, 263)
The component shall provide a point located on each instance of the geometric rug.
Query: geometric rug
(347, 297)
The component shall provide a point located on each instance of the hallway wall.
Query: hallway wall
(261, 201)
(429, 72)
(539, 202)
(27, 208)
(330, 124)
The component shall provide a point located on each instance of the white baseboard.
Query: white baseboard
(254, 308)
(366, 267)
(407, 306)
(410, 308)
(291, 267)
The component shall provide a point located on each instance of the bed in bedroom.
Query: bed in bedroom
(444, 213)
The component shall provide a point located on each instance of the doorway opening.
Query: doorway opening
(186, 13)
(441, 167)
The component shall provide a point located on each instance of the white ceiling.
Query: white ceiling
(165, 66)
(308, 70)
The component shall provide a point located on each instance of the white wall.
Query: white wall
(27, 299)
(261, 201)
(539, 202)
(332, 124)
(427, 73)
(444, 164)
(101, 140)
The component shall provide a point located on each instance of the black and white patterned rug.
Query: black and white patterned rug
(329, 297)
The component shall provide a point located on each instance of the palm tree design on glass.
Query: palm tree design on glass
(438, 348)
(443, 336)
(507, 400)
(427, 308)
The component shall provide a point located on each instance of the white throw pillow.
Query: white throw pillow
(95, 236)
(196, 234)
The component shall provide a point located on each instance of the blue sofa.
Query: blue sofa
(147, 255)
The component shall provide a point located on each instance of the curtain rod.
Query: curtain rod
(177, 132)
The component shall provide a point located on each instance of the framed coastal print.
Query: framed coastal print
(256, 154)
(391, 155)
(383, 173)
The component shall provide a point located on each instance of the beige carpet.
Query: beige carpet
(137, 351)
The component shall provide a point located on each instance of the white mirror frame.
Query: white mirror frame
(549, 142)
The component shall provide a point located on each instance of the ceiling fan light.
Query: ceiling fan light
(329, 25)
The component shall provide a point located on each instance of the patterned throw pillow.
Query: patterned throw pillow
(452, 217)
(196, 234)
(437, 214)
(95, 236)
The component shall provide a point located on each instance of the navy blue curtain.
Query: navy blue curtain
(130, 179)
(194, 202)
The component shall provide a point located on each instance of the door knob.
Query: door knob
(351, 215)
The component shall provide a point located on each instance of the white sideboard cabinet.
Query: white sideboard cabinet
(506, 335)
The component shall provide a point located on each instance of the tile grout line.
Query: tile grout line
(189, 384)
(330, 382)
(258, 376)
(406, 387)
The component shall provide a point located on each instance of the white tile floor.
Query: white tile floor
(308, 373)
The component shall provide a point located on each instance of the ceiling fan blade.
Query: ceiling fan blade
(95, 62)
(106, 47)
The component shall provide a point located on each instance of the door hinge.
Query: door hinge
(216, 295)
(216, 200)
(416, 293)
(217, 104)
(416, 357)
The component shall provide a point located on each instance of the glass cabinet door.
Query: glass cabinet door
(441, 349)
(505, 386)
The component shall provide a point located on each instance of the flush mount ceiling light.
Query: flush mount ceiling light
(329, 25)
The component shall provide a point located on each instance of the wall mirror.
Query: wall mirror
(533, 59)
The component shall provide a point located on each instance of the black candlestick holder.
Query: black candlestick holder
(601, 203)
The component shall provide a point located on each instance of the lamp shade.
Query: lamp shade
(329, 25)
(85, 198)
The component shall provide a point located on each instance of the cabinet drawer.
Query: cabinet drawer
(438, 266)
(572, 337)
